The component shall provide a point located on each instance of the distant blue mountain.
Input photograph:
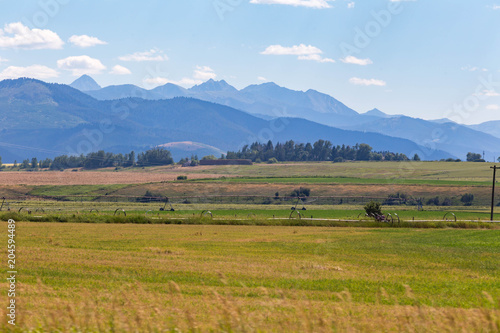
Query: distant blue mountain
(46, 120)
(85, 83)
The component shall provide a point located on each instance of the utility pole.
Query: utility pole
(493, 189)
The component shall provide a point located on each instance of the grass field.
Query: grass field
(122, 278)
(247, 266)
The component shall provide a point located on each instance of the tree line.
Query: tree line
(99, 159)
(320, 150)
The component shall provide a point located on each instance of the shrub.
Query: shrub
(301, 192)
(272, 160)
(182, 177)
(373, 208)
(433, 201)
(467, 199)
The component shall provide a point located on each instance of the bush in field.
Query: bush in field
(373, 208)
(272, 160)
(182, 177)
(467, 199)
(433, 201)
(301, 192)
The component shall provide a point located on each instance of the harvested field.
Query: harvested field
(90, 177)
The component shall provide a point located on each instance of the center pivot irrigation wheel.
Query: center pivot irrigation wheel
(294, 214)
(206, 213)
(118, 210)
(447, 217)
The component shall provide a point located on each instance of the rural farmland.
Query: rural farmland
(105, 257)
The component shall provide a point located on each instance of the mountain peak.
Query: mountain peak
(376, 113)
(85, 83)
(212, 85)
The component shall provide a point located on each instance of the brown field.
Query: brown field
(91, 177)
(336, 190)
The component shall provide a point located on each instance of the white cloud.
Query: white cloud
(494, 7)
(367, 82)
(356, 61)
(401, 0)
(35, 71)
(261, 78)
(204, 73)
(493, 107)
(3, 59)
(18, 36)
(293, 50)
(84, 41)
(120, 70)
(315, 57)
(488, 93)
(351, 4)
(473, 69)
(160, 81)
(151, 55)
(319, 4)
(200, 75)
(304, 52)
(80, 65)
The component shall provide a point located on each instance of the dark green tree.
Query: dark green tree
(372, 208)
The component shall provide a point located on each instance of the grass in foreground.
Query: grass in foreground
(89, 277)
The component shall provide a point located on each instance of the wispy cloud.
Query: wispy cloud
(351, 4)
(356, 61)
(304, 52)
(204, 73)
(3, 59)
(488, 93)
(367, 82)
(473, 69)
(151, 55)
(493, 107)
(84, 41)
(80, 65)
(494, 7)
(262, 79)
(18, 36)
(318, 4)
(120, 70)
(34, 71)
(200, 75)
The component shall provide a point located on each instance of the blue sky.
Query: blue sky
(426, 59)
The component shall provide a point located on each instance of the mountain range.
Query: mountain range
(45, 120)
(269, 101)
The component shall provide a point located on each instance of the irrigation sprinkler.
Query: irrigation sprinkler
(206, 213)
(94, 209)
(293, 213)
(390, 218)
(27, 210)
(40, 210)
(118, 210)
(446, 219)
(167, 201)
(302, 200)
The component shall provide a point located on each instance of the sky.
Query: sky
(426, 59)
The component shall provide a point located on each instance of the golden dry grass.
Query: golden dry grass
(68, 177)
(157, 278)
